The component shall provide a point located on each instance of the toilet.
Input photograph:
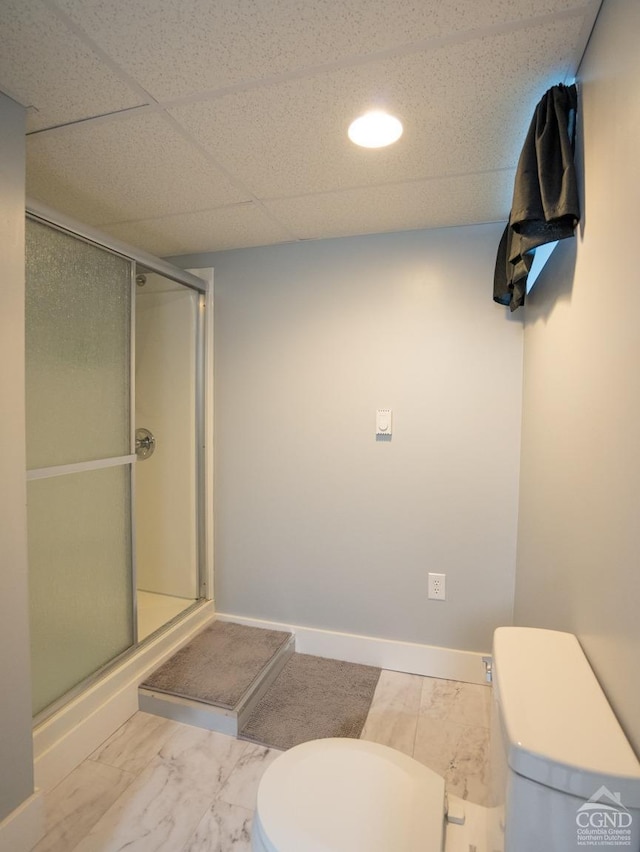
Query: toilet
(563, 776)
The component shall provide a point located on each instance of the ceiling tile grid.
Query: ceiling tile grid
(134, 168)
(290, 138)
(44, 65)
(198, 45)
(237, 226)
(436, 203)
(227, 120)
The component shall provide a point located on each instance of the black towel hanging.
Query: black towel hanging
(545, 205)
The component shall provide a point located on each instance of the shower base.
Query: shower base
(155, 610)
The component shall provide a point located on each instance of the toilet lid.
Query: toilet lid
(345, 795)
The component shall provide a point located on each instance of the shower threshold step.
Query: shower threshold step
(216, 681)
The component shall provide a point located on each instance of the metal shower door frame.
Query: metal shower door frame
(48, 216)
(201, 344)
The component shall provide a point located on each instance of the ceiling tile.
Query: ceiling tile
(209, 230)
(290, 138)
(437, 203)
(290, 75)
(132, 167)
(196, 45)
(44, 65)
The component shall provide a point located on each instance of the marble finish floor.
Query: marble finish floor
(156, 784)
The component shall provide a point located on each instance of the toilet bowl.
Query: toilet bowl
(348, 795)
(562, 773)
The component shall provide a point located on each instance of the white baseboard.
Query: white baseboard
(64, 740)
(24, 827)
(411, 657)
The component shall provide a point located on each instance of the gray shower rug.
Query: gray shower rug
(219, 665)
(312, 698)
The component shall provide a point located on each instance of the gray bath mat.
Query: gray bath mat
(312, 698)
(218, 665)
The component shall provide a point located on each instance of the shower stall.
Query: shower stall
(166, 406)
(115, 404)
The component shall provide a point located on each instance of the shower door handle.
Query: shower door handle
(145, 443)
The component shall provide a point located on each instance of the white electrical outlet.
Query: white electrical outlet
(437, 587)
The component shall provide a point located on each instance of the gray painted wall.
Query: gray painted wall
(579, 536)
(316, 522)
(16, 758)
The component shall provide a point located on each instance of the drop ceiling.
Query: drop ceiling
(197, 125)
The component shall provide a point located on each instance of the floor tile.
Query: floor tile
(467, 775)
(458, 703)
(224, 828)
(473, 706)
(438, 697)
(162, 808)
(78, 802)
(436, 743)
(136, 742)
(160, 786)
(457, 752)
(393, 715)
(241, 787)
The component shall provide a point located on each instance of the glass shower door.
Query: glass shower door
(79, 458)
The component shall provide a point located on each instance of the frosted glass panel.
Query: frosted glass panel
(77, 350)
(80, 577)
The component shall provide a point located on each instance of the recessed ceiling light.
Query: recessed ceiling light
(375, 129)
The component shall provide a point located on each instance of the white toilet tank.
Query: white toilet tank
(564, 776)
